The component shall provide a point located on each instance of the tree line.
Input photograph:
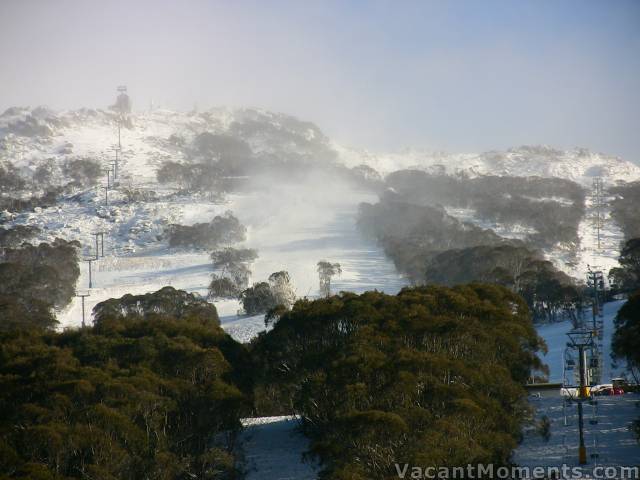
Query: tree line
(156, 389)
(35, 280)
(431, 376)
(624, 208)
(431, 246)
(553, 207)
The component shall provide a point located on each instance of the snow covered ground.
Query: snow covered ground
(607, 418)
(292, 230)
(273, 449)
(579, 164)
(555, 335)
(293, 226)
(608, 439)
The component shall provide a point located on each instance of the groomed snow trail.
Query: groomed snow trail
(555, 335)
(273, 449)
(608, 437)
(290, 229)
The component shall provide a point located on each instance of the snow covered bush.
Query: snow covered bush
(14, 236)
(232, 265)
(221, 230)
(258, 298)
(223, 287)
(10, 180)
(82, 171)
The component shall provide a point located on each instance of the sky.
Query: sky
(457, 76)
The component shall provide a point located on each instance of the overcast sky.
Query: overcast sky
(445, 75)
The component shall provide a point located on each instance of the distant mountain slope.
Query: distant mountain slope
(27, 134)
(579, 165)
(30, 136)
(33, 138)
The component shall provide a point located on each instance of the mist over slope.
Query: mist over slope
(31, 134)
(296, 191)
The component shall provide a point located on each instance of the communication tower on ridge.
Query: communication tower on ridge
(123, 102)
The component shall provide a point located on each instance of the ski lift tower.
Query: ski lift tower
(595, 282)
(597, 204)
(581, 342)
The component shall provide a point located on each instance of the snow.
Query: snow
(607, 434)
(273, 448)
(293, 225)
(297, 233)
(133, 229)
(513, 231)
(607, 419)
(604, 257)
(578, 165)
(555, 336)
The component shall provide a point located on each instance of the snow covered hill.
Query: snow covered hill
(579, 165)
(292, 225)
(30, 135)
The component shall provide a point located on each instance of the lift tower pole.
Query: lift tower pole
(97, 251)
(598, 216)
(581, 341)
(117, 150)
(89, 260)
(100, 250)
(83, 296)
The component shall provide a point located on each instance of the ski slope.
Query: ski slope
(555, 336)
(291, 230)
(608, 439)
(607, 418)
(293, 225)
(273, 449)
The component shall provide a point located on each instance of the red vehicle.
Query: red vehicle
(618, 386)
(608, 390)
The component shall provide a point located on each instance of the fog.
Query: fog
(468, 76)
(326, 241)
(295, 224)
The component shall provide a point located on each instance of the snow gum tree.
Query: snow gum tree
(431, 376)
(326, 270)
